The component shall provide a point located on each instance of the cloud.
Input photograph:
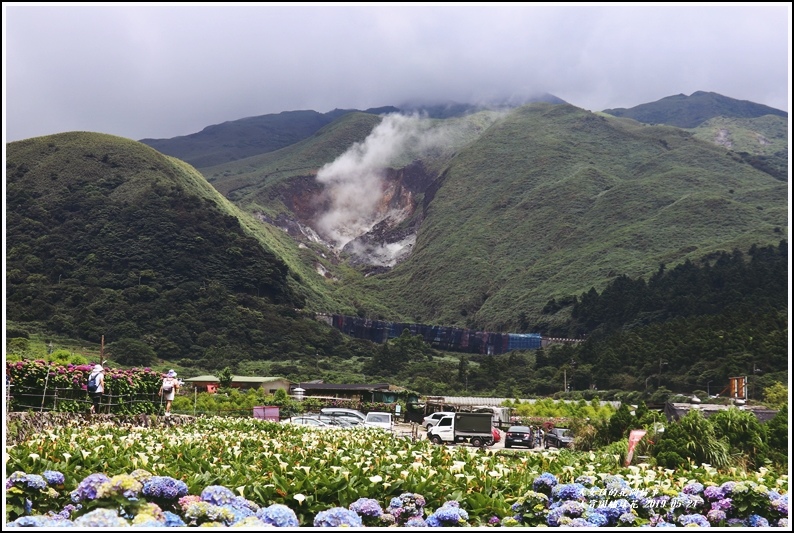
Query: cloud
(159, 71)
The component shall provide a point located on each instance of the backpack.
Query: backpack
(168, 385)
(93, 384)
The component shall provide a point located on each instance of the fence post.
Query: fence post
(44, 394)
(55, 401)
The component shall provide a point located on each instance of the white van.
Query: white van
(379, 419)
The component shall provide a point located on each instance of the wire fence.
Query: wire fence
(67, 399)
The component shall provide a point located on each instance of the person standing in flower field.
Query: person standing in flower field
(96, 386)
(168, 390)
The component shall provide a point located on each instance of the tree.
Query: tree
(776, 395)
(225, 377)
(131, 352)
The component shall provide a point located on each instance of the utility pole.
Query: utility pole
(565, 380)
(659, 380)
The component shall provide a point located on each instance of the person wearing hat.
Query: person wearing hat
(168, 390)
(96, 386)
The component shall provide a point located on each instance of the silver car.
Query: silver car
(432, 419)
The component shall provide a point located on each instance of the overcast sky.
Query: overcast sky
(164, 71)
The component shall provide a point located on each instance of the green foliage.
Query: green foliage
(131, 352)
(776, 395)
(225, 378)
(691, 439)
(743, 433)
(778, 435)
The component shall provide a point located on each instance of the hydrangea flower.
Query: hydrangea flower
(715, 516)
(627, 519)
(101, 518)
(54, 478)
(88, 487)
(697, 519)
(713, 492)
(278, 515)
(366, 507)
(185, 501)
(200, 512)
(337, 517)
(167, 488)
(141, 474)
(173, 520)
(755, 520)
(693, 488)
(251, 522)
(569, 491)
(405, 506)
(586, 481)
(544, 483)
(449, 514)
(217, 495)
(596, 520)
(783, 522)
(121, 485)
(28, 481)
(416, 521)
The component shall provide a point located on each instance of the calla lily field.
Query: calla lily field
(242, 472)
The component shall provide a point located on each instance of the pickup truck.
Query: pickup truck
(559, 438)
(475, 428)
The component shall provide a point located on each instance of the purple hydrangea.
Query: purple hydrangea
(278, 515)
(416, 521)
(698, 519)
(35, 481)
(88, 487)
(693, 488)
(727, 487)
(337, 517)
(780, 505)
(626, 519)
(366, 507)
(166, 488)
(783, 522)
(725, 504)
(715, 516)
(54, 478)
(713, 492)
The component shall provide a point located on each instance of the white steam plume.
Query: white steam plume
(354, 181)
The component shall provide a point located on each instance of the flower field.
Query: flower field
(246, 472)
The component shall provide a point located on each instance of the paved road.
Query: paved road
(418, 432)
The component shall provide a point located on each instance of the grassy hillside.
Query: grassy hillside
(553, 200)
(693, 110)
(106, 236)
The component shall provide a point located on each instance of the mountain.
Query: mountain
(237, 139)
(516, 209)
(106, 236)
(693, 110)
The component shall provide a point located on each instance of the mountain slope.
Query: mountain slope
(106, 236)
(693, 110)
(553, 200)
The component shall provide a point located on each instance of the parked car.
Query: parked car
(559, 438)
(432, 419)
(497, 435)
(308, 421)
(518, 436)
(379, 420)
(347, 414)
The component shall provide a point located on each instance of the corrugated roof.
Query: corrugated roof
(492, 402)
(238, 379)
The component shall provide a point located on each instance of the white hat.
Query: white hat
(171, 374)
(98, 368)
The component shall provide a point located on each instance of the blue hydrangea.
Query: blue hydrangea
(416, 521)
(101, 518)
(166, 488)
(586, 481)
(727, 487)
(278, 515)
(665, 524)
(569, 491)
(544, 482)
(54, 478)
(337, 517)
(783, 522)
(780, 505)
(217, 495)
(627, 519)
(596, 519)
(449, 514)
(579, 522)
(244, 503)
(173, 520)
(33, 481)
(150, 522)
(366, 507)
(87, 489)
(755, 520)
